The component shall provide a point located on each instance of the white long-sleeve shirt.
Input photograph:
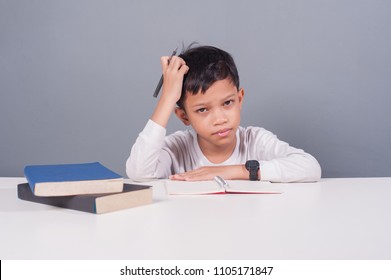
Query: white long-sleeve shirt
(155, 155)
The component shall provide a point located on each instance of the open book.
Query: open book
(220, 186)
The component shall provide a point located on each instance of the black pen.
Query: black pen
(159, 85)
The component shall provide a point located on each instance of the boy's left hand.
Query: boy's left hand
(227, 172)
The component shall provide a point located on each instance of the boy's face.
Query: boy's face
(214, 115)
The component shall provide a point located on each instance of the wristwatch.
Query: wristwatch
(253, 167)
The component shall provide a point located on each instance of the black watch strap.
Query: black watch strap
(253, 167)
(253, 175)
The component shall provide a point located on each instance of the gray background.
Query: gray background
(77, 77)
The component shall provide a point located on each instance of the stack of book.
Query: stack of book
(88, 187)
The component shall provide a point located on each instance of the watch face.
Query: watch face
(252, 164)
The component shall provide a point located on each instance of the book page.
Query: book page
(246, 186)
(196, 187)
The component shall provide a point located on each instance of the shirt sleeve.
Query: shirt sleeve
(147, 160)
(280, 162)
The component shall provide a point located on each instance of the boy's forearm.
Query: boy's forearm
(163, 110)
(239, 172)
(228, 172)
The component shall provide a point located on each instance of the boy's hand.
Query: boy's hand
(173, 72)
(227, 172)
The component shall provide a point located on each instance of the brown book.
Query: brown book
(131, 196)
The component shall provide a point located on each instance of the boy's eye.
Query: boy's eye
(201, 110)
(228, 102)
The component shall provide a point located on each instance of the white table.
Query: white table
(332, 219)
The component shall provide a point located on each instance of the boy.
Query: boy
(202, 87)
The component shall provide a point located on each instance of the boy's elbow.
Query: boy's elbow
(318, 172)
(314, 172)
(137, 176)
(132, 175)
(307, 172)
(132, 171)
(137, 173)
(315, 175)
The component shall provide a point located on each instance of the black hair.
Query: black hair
(207, 65)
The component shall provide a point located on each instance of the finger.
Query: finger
(176, 177)
(198, 176)
(203, 177)
(175, 63)
(164, 62)
(182, 177)
(184, 69)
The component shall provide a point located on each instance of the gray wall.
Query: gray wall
(77, 77)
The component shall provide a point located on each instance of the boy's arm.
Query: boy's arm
(301, 167)
(279, 161)
(173, 72)
(228, 172)
(147, 161)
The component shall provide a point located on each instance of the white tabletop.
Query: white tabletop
(332, 219)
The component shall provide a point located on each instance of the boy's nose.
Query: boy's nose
(220, 117)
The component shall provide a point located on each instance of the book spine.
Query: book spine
(30, 178)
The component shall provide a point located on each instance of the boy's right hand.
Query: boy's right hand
(173, 73)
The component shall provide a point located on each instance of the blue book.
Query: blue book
(72, 179)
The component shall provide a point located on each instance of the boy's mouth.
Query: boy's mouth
(223, 132)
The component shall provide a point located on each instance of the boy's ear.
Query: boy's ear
(181, 114)
(241, 95)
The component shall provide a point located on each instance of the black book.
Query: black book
(131, 196)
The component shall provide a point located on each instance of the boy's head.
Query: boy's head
(207, 65)
(211, 100)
